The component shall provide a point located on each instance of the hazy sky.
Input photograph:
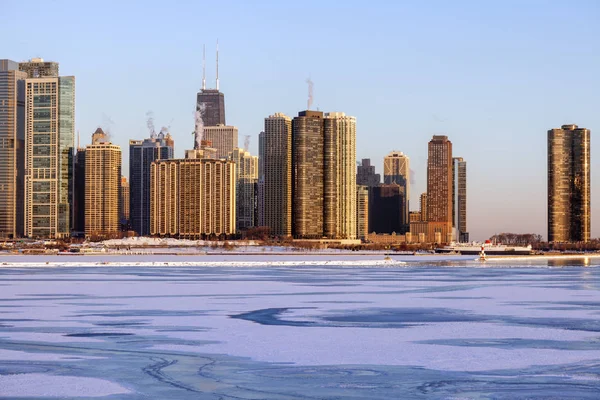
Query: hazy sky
(493, 76)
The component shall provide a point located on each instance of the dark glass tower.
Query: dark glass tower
(141, 155)
(212, 102)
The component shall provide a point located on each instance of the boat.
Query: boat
(488, 248)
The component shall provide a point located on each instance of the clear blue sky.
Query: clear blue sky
(492, 75)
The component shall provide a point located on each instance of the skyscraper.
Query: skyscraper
(223, 138)
(193, 198)
(260, 185)
(362, 212)
(12, 149)
(79, 192)
(365, 174)
(324, 179)
(569, 218)
(142, 153)
(439, 189)
(246, 178)
(396, 170)
(459, 199)
(308, 175)
(102, 187)
(211, 102)
(340, 176)
(277, 171)
(385, 211)
(50, 123)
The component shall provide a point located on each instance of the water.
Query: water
(445, 329)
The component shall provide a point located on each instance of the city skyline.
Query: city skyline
(500, 134)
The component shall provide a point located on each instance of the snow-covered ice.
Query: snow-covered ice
(276, 329)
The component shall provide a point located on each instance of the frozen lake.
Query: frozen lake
(298, 327)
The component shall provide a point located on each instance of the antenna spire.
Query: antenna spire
(203, 67)
(217, 64)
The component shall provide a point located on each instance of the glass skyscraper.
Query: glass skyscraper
(49, 142)
(141, 155)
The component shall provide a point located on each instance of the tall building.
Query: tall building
(223, 138)
(12, 149)
(142, 153)
(79, 192)
(49, 142)
(362, 212)
(277, 171)
(102, 187)
(308, 175)
(211, 104)
(124, 204)
(246, 179)
(385, 211)
(439, 189)
(569, 218)
(365, 174)
(396, 170)
(423, 206)
(459, 199)
(260, 185)
(324, 180)
(193, 198)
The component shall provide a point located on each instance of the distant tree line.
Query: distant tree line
(516, 239)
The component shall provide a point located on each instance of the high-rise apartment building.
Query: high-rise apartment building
(193, 198)
(439, 189)
(339, 208)
(223, 138)
(142, 153)
(49, 142)
(365, 174)
(12, 149)
(277, 172)
(124, 204)
(459, 199)
(246, 178)
(396, 170)
(324, 180)
(102, 187)
(260, 184)
(569, 218)
(362, 212)
(308, 175)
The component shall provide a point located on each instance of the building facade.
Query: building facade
(79, 192)
(211, 104)
(142, 153)
(277, 172)
(222, 138)
(396, 170)
(124, 204)
(439, 189)
(362, 212)
(12, 149)
(102, 187)
(365, 174)
(246, 179)
(459, 199)
(49, 142)
(193, 198)
(423, 206)
(569, 200)
(385, 211)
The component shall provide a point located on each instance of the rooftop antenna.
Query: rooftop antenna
(217, 64)
(310, 93)
(203, 67)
